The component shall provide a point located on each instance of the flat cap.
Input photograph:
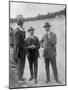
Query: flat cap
(31, 29)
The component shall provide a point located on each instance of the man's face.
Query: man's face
(21, 26)
(31, 33)
(47, 29)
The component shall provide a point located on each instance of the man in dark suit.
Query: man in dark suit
(33, 46)
(49, 41)
(19, 47)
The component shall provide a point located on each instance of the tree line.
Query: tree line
(40, 17)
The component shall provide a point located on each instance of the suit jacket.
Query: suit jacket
(20, 38)
(49, 45)
(19, 42)
(32, 52)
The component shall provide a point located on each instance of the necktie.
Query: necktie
(47, 37)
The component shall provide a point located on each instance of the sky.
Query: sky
(32, 9)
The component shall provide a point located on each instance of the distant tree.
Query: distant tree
(40, 17)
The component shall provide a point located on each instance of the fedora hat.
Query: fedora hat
(20, 19)
(31, 29)
(47, 25)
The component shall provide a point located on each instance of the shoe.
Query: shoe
(23, 79)
(57, 81)
(47, 81)
(31, 79)
(20, 81)
(36, 81)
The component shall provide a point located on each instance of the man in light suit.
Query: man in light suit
(49, 41)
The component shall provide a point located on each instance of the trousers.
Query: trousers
(33, 66)
(21, 63)
(54, 67)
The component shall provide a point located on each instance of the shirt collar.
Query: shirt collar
(20, 28)
(48, 32)
(31, 36)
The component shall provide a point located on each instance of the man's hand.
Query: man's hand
(31, 46)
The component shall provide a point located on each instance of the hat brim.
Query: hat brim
(31, 30)
(47, 26)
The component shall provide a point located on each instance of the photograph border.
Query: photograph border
(65, 43)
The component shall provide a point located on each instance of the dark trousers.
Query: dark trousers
(33, 65)
(21, 63)
(15, 54)
(54, 67)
